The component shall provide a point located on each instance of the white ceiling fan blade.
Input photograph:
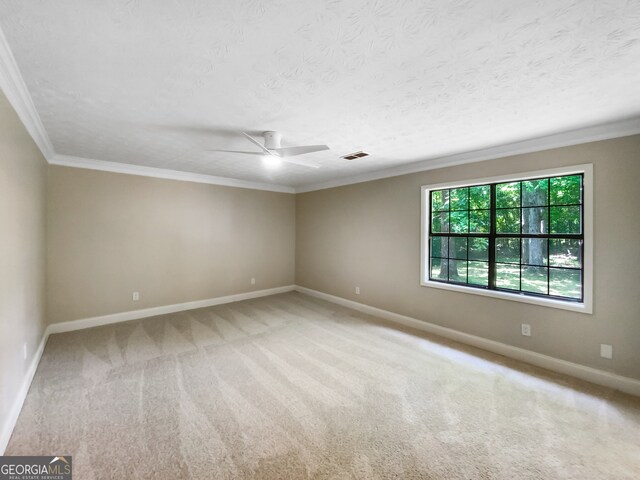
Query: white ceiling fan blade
(284, 154)
(235, 151)
(304, 163)
(255, 142)
(292, 151)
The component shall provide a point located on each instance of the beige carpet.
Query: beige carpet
(291, 387)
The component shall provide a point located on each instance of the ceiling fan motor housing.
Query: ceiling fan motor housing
(272, 140)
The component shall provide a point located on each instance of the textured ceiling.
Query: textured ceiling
(155, 83)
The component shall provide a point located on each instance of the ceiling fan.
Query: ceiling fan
(273, 153)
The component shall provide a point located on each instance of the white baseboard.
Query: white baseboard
(153, 311)
(14, 413)
(600, 377)
(593, 375)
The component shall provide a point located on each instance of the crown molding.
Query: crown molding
(13, 86)
(130, 169)
(623, 128)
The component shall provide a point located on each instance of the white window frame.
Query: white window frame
(586, 306)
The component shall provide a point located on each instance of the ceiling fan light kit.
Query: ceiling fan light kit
(274, 154)
(271, 162)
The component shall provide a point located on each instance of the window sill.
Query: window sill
(514, 297)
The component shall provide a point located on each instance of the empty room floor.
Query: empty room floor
(292, 387)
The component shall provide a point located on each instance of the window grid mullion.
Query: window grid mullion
(492, 237)
(520, 241)
(549, 239)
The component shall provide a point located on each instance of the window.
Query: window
(524, 238)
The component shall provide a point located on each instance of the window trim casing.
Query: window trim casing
(586, 306)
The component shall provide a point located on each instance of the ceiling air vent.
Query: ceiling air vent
(353, 156)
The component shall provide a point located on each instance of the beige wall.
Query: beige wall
(368, 235)
(22, 249)
(112, 234)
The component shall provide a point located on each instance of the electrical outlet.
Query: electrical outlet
(136, 296)
(526, 329)
(606, 351)
(253, 281)
(357, 290)
(24, 350)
